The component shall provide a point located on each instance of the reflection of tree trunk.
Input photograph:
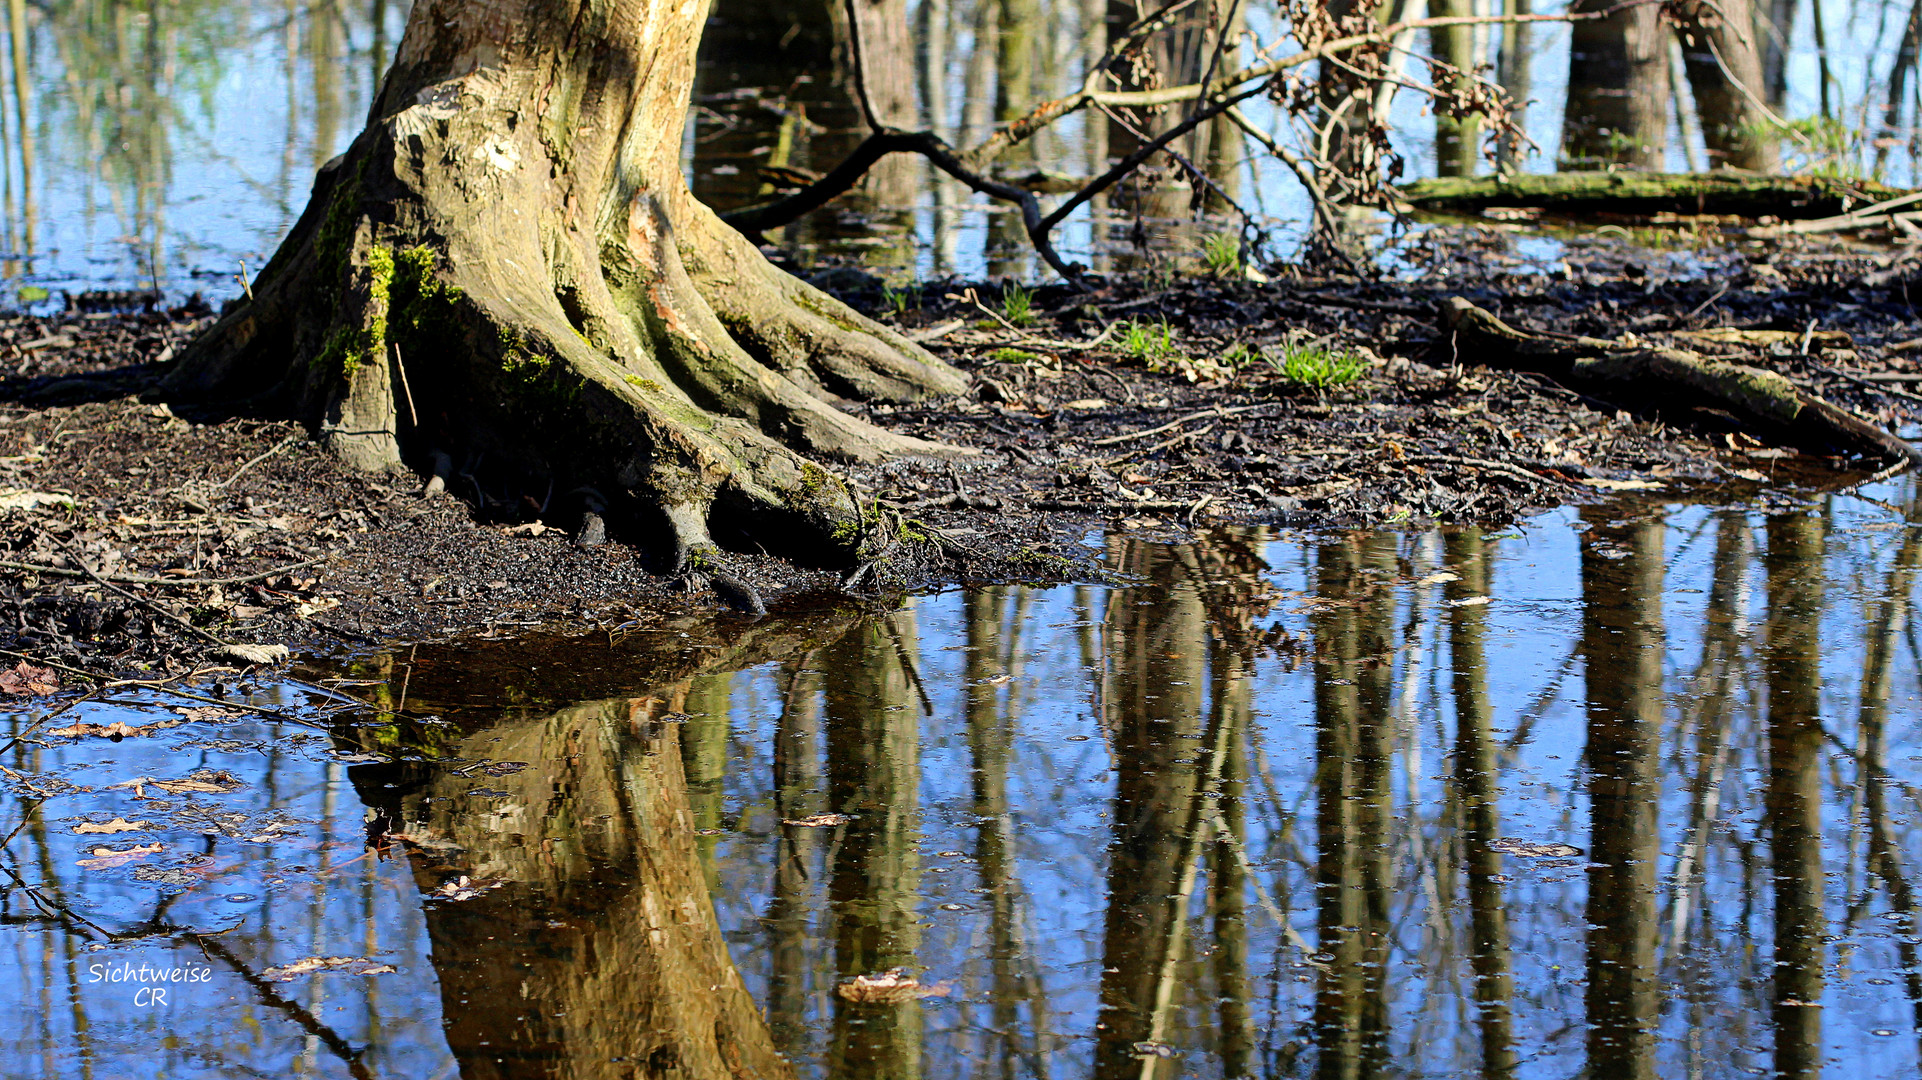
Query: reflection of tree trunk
(1774, 21)
(990, 745)
(19, 44)
(1353, 703)
(874, 774)
(1712, 703)
(1478, 776)
(601, 956)
(800, 791)
(1793, 804)
(1455, 139)
(1154, 701)
(1622, 641)
(704, 760)
(1892, 613)
(1228, 882)
(1734, 127)
(1618, 92)
(327, 57)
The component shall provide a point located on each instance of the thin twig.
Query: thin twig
(401, 366)
(258, 458)
(141, 600)
(132, 579)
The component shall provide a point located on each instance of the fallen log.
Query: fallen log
(1649, 193)
(1764, 403)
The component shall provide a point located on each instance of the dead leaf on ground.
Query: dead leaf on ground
(888, 988)
(118, 824)
(349, 965)
(1621, 485)
(818, 821)
(25, 679)
(108, 858)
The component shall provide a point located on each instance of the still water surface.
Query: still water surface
(1625, 793)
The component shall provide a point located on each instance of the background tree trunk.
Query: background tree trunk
(1617, 107)
(512, 234)
(1455, 139)
(1734, 126)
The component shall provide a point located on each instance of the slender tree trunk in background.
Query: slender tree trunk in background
(519, 234)
(1016, 25)
(326, 55)
(1456, 141)
(1622, 641)
(19, 44)
(377, 52)
(1774, 22)
(1900, 73)
(1792, 806)
(1618, 93)
(977, 107)
(1734, 126)
(1513, 72)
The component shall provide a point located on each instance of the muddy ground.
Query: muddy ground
(142, 535)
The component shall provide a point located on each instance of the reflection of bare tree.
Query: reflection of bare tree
(1171, 778)
(874, 774)
(1793, 805)
(1478, 777)
(1892, 613)
(800, 791)
(1353, 625)
(1622, 655)
(599, 954)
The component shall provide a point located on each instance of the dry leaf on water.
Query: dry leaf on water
(205, 781)
(891, 987)
(118, 824)
(115, 731)
(25, 679)
(350, 965)
(1529, 849)
(818, 821)
(108, 858)
(463, 888)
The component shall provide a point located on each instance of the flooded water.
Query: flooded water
(166, 144)
(1626, 792)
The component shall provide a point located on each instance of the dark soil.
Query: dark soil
(171, 506)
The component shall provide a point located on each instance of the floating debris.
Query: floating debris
(463, 888)
(818, 821)
(346, 965)
(891, 987)
(106, 858)
(117, 825)
(1528, 849)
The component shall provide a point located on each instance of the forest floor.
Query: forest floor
(141, 536)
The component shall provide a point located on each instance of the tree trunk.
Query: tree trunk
(1617, 108)
(507, 262)
(1456, 138)
(1734, 125)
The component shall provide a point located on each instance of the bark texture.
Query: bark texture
(507, 262)
(1618, 92)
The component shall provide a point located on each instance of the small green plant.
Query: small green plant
(1240, 355)
(1316, 366)
(1221, 254)
(1017, 304)
(1150, 343)
(898, 301)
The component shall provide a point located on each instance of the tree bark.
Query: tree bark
(507, 262)
(1617, 108)
(1725, 71)
(1456, 138)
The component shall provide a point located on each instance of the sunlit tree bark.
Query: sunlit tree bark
(512, 237)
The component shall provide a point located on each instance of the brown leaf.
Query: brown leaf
(118, 824)
(108, 858)
(818, 821)
(25, 679)
(888, 988)
(116, 730)
(352, 965)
